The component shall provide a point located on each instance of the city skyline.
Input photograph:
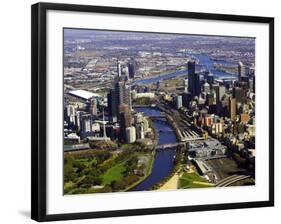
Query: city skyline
(150, 111)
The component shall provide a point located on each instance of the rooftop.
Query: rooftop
(83, 94)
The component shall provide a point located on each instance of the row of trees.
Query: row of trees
(143, 101)
(84, 170)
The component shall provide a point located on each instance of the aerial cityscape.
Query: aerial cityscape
(157, 111)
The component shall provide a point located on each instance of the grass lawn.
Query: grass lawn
(147, 173)
(192, 180)
(68, 186)
(114, 173)
(173, 82)
(87, 161)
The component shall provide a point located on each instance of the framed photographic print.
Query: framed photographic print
(138, 111)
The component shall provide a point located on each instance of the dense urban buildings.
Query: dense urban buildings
(129, 95)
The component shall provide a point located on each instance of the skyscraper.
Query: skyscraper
(185, 85)
(86, 125)
(232, 109)
(211, 98)
(130, 134)
(103, 122)
(112, 105)
(194, 85)
(119, 94)
(124, 73)
(254, 83)
(210, 78)
(241, 70)
(186, 99)
(220, 92)
(122, 94)
(70, 111)
(190, 83)
(178, 102)
(139, 131)
(206, 87)
(78, 120)
(132, 67)
(128, 98)
(125, 120)
(92, 106)
(119, 71)
(239, 94)
(191, 67)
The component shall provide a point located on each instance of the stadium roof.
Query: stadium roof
(83, 94)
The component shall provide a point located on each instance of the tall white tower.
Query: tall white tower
(103, 122)
(119, 72)
(241, 70)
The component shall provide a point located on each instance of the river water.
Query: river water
(205, 63)
(163, 163)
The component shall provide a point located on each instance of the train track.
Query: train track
(231, 180)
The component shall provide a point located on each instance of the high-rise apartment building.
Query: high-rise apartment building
(241, 70)
(232, 109)
(132, 67)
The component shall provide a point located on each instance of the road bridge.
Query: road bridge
(157, 116)
(168, 146)
(188, 139)
(143, 106)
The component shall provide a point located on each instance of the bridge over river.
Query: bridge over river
(157, 116)
(173, 145)
(169, 146)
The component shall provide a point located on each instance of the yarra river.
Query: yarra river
(205, 63)
(163, 164)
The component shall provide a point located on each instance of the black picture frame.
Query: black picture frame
(39, 122)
